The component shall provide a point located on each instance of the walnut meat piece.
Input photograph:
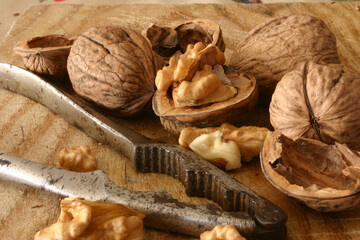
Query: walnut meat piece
(193, 60)
(175, 119)
(204, 88)
(115, 68)
(45, 55)
(78, 159)
(248, 138)
(192, 79)
(324, 177)
(280, 45)
(81, 219)
(318, 101)
(219, 232)
(216, 150)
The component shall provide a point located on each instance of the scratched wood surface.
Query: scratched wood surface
(31, 131)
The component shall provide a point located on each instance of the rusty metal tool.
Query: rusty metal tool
(254, 216)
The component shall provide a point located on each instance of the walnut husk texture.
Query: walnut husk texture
(318, 101)
(115, 68)
(279, 45)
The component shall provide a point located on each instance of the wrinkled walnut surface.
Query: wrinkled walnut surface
(46, 55)
(114, 67)
(325, 177)
(318, 101)
(279, 45)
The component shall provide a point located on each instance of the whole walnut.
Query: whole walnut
(115, 68)
(318, 101)
(279, 45)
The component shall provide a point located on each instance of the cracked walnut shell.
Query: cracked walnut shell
(324, 177)
(166, 41)
(46, 55)
(210, 115)
(280, 45)
(115, 68)
(318, 101)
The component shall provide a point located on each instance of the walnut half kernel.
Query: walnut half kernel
(206, 141)
(220, 232)
(78, 159)
(216, 150)
(81, 219)
(192, 78)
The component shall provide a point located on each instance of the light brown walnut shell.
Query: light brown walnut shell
(324, 177)
(45, 55)
(280, 45)
(211, 115)
(115, 68)
(318, 101)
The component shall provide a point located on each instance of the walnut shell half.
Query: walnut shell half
(279, 45)
(115, 68)
(175, 119)
(166, 41)
(46, 55)
(324, 177)
(318, 101)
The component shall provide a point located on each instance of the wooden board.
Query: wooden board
(31, 131)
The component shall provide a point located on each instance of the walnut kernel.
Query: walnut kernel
(193, 81)
(78, 159)
(248, 138)
(220, 232)
(81, 219)
(216, 150)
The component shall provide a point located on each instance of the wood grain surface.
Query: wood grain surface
(31, 131)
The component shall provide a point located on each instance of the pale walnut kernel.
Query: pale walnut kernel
(194, 59)
(219, 232)
(165, 77)
(216, 150)
(248, 138)
(203, 88)
(71, 223)
(85, 220)
(78, 159)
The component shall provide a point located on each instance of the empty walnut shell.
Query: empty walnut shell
(167, 40)
(324, 177)
(175, 119)
(318, 101)
(46, 55)
(279, 45)
(115, 68)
